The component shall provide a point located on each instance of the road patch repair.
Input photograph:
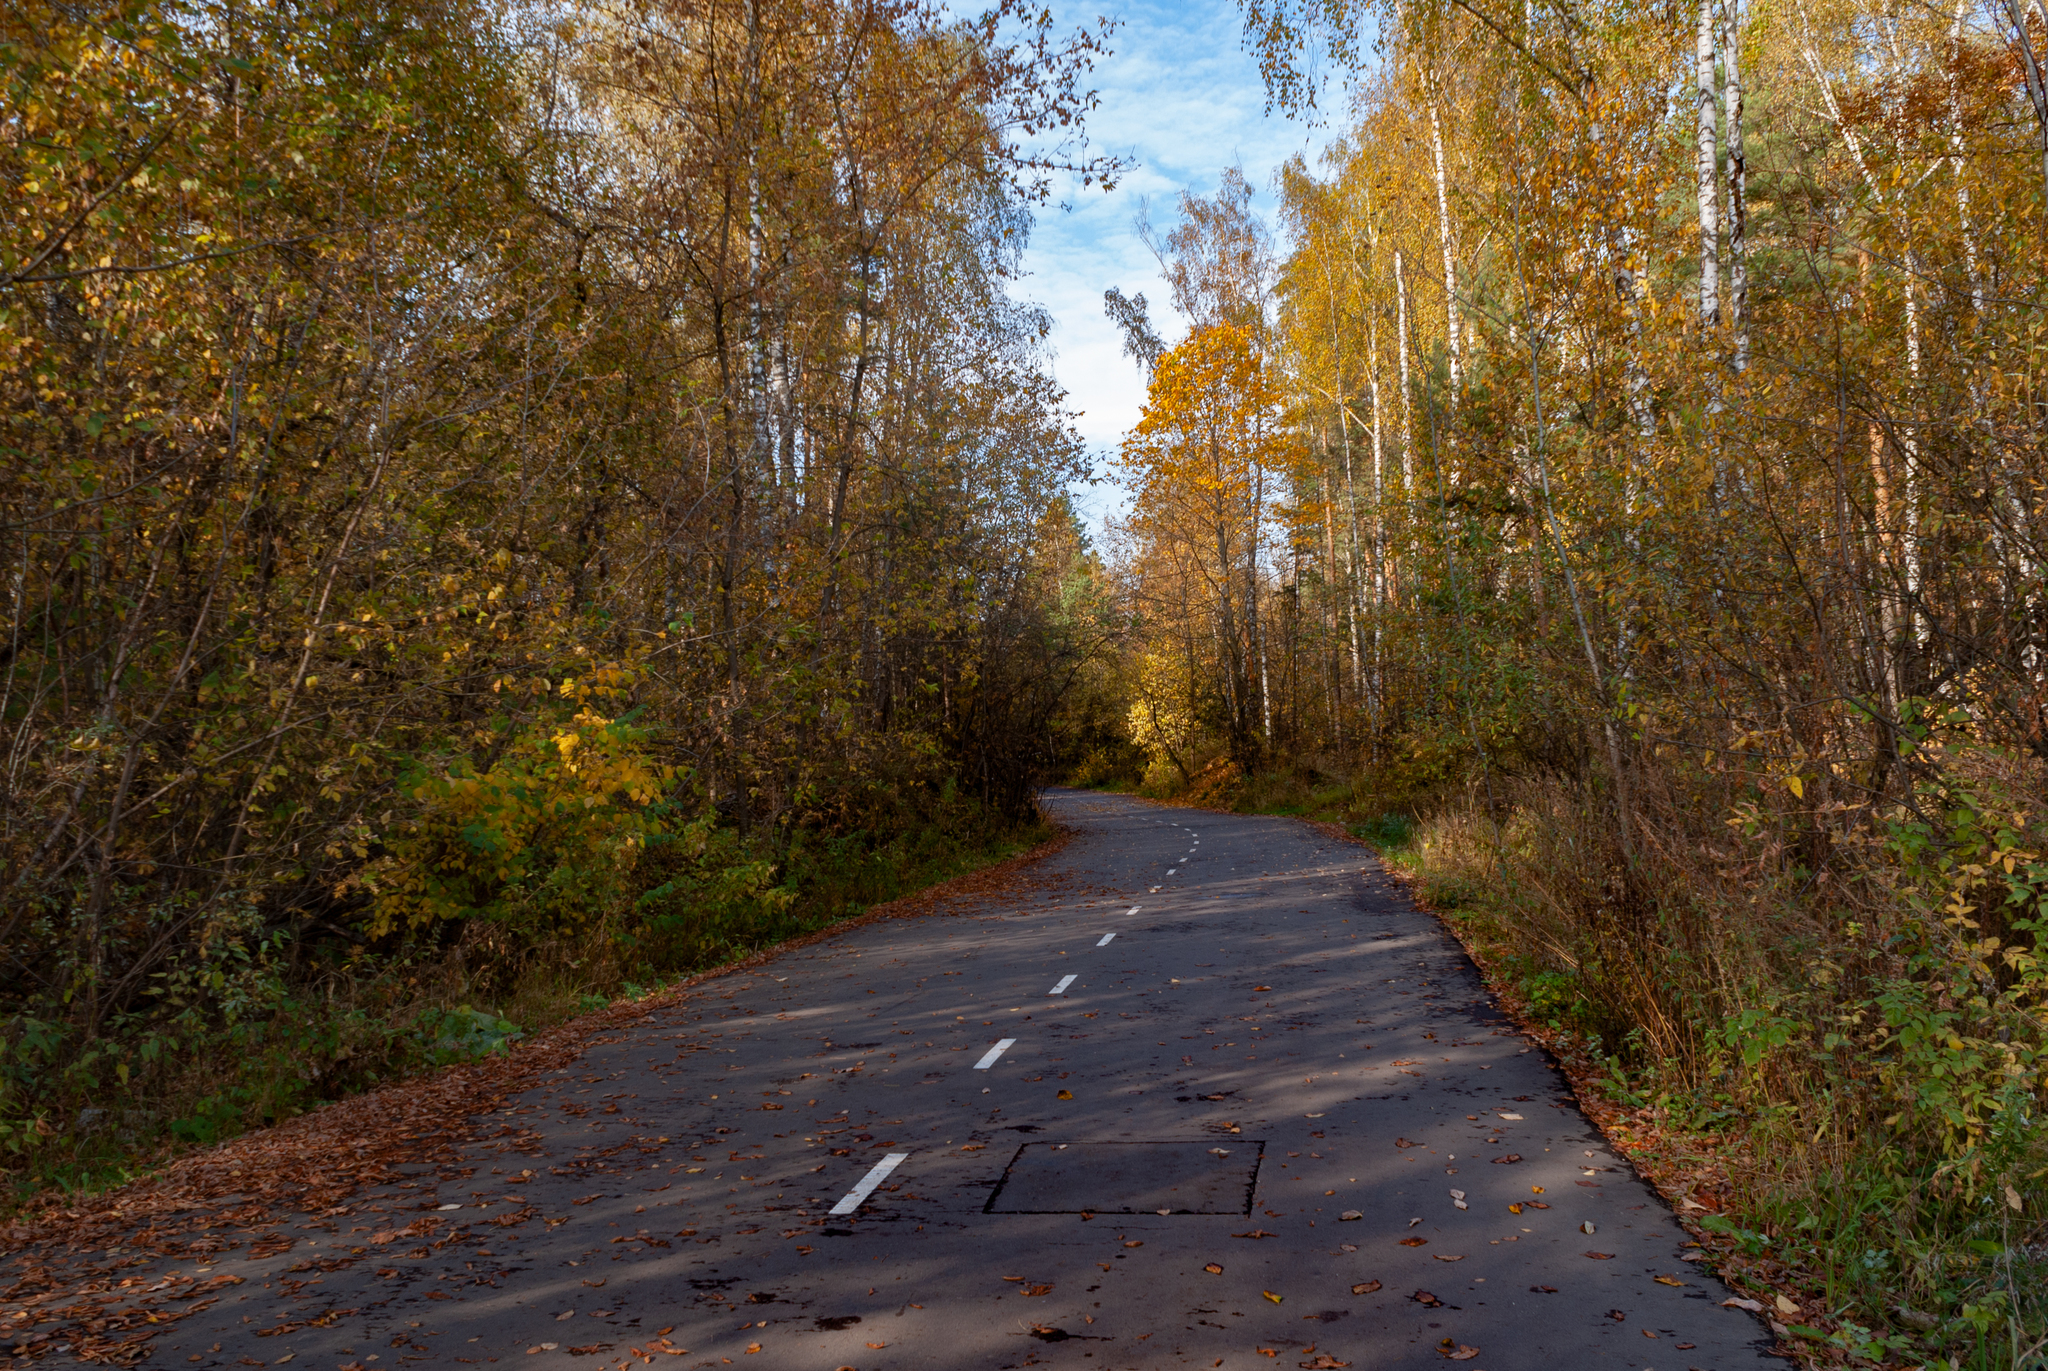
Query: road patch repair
(1163, 1178)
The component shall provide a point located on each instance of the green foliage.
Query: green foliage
(544, 841)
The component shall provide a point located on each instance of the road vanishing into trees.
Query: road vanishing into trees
(1211, 1092)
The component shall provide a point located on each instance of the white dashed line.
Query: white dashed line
(1105, 940)
(1061, 988)
(1132, 910)
(878, 1174)
(988, 1058)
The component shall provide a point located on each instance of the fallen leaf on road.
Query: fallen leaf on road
(1213, 1269)
(1255, 1233)
(1013, 1278)
(1447, 1257)
(1463, 1353)
(1350, 1216)
(1033, 1291)
(752, 1347)
(1601, 1256)
(1535, 1190)
(1415, 1242)
(1669, 1280)
(1543, 1290)
(1268, 1351)
(1536, 1204)
(1509, 1160)
(1586, 1227)
(1751, 1305)
(878, 1346)
(1134, 1243)
(1648, 1334)
(1514, 1209)
(1403, 1142)
(1066, 1094)
(1258, 988)
(1271, 1296)
(1324, 1362)
(1365, 1288)
(1423, 1297)
(1785, 1306)
(1457, 1194)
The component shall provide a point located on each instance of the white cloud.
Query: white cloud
(1183, 99)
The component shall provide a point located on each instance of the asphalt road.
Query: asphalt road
(1232, 1019)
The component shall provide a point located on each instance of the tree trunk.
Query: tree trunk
(1709, 172)
(1738, 190)
(1454, 330)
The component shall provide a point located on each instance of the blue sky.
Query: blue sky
(1182, 98)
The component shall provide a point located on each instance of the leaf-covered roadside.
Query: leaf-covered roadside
(64, 1273)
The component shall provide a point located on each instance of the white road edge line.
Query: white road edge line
(1105, 940)
(876, 1175)
(988, 1058)
(1061, 988)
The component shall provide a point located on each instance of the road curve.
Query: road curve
(824, 1162)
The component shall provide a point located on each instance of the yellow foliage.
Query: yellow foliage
(543, 839)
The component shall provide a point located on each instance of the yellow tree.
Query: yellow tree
(1197, 466)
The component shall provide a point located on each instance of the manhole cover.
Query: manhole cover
(1129, 1178)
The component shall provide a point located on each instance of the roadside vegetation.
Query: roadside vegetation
(499, 506)
(1613, 488)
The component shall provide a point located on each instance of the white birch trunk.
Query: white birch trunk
(1407, 408)
(1708, 171)
(1379, 507)
(1738, 189)
(1955, 160)
(1454, 330)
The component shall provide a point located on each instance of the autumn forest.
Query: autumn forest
(503, 505)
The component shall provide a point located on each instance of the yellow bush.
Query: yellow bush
(544, 840)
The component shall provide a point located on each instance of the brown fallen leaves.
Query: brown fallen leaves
(235, 1195)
